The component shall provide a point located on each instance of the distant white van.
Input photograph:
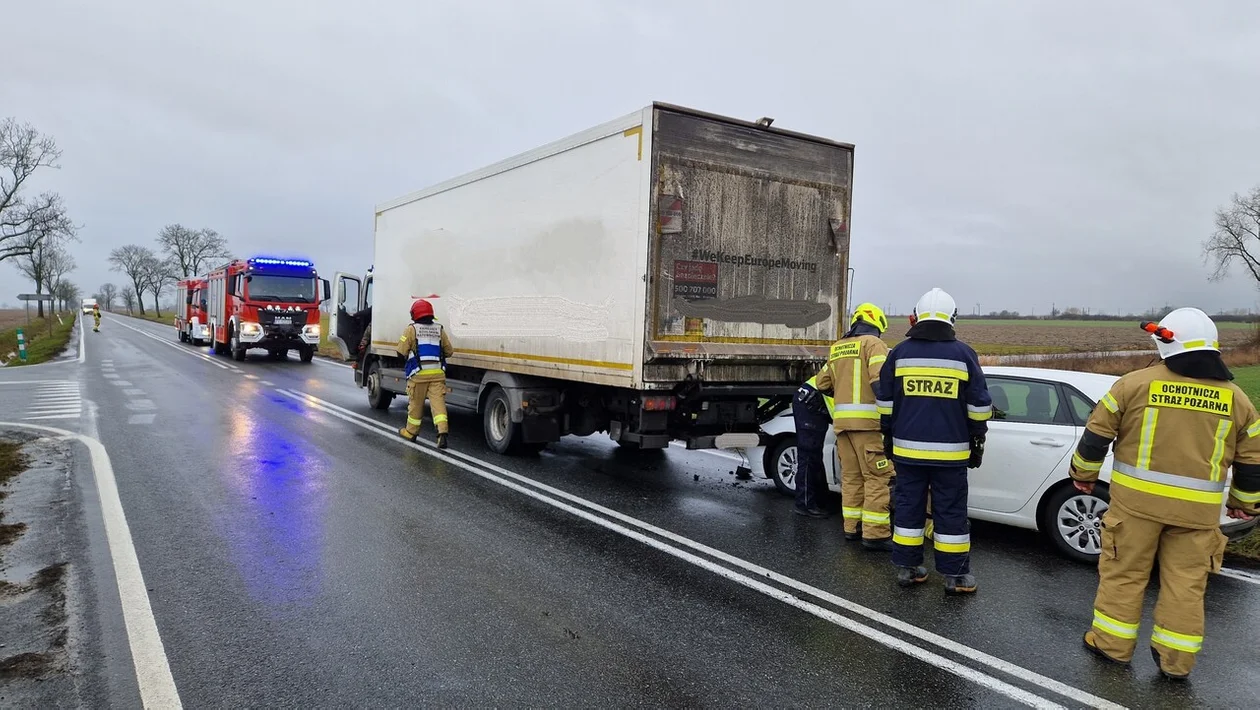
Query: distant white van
(88, 303)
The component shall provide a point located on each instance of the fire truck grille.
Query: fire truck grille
(282, 319)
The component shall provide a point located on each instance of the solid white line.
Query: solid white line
(153, 673)
(59, 409)
(325, 361)
(32, 382)
(180, 348)
(51, 416)
(1249, 577)
(82, 339)
(756, 570)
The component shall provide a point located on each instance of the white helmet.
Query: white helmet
(936, 305)
(1184, 330)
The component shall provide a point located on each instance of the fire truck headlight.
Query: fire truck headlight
(248, 328)
(311, 331)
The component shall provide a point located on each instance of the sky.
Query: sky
(1017, 154)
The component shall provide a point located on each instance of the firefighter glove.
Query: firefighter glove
(977, 452)
(888, 446)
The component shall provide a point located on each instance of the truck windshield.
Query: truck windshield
(292, 289)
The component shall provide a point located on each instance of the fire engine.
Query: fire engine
(265, 303)
(191, 323)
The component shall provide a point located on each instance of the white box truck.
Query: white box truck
(669, 275)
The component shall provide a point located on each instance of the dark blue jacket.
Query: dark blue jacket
(932, 398)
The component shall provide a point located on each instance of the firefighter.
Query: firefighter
(934, 406)
(426, 347)
(811, 412)
(96, 318)
(1177, 428)
(865, 471)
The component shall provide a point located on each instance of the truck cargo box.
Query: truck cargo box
(666, 245)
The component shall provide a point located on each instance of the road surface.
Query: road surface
(296, 552)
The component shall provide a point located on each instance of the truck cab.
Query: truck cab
(191, 303)
(266, 303)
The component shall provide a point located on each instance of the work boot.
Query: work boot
(853, 536)
(1160, 664)
(441, 441)
(910, 576)
(812, 511)
(883, 544)
(406, 434)
(960, 584)
(1088, 640)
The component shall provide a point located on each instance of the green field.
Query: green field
(1080, 323)
(1248, 378)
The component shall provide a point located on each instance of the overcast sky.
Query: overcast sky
(1014, 153)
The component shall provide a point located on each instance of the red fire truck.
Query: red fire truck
(265, 303)
(190, 311)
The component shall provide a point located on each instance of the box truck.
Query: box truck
(670, 275)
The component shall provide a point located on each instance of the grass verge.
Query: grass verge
(40, 346)
(164, 319)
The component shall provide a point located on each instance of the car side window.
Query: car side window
(1081, 407)
(1027, 401)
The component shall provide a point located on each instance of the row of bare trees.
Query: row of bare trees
(34, 229)
(181, 253)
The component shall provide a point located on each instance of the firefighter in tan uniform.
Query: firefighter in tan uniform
(865, 471)
(1178, 428)
(426, 347)
(96, 318)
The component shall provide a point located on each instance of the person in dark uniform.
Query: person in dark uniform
(812, 415)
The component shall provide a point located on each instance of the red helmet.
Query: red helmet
(420, 309)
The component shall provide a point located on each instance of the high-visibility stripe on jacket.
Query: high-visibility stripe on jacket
(850, 373)
(426, 347)
(1175, 438)
(934, 399)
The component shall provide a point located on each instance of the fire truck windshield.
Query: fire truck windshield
(290, 289)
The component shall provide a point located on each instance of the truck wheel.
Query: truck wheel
(307, 354)
(378, 397)
(181, 336)
(502, 434)
(235, 347)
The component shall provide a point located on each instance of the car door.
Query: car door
(1031, 432)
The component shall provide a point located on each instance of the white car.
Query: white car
(1024, 478)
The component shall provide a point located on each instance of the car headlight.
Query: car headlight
(250, 328)
(311, 331)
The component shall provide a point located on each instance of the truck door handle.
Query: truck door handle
(1047, 442)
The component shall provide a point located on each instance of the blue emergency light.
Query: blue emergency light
(267, 261)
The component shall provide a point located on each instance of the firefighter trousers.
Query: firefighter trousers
(864, 483)
(951, 533)
(1130, 547)
(435, 390)
(811, 475)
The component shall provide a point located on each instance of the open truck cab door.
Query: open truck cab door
(343, 329)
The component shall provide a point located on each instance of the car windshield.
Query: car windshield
(292, 289)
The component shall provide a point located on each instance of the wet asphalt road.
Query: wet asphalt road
(296, 554)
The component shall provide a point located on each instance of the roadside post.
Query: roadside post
(21, 345)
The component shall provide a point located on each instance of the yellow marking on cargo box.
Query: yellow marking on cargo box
(636, 131)
(840, 351)
(1191, 397)
(924, 386)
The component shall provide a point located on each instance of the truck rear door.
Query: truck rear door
(751, 242)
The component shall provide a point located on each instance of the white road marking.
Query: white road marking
(51, 416)
(182, 349)
(251, 377)
(120, 383)
(141, 404)
(56, 397)
(153, 672)
(33, 382)
(133, 392)
(56, 408)
(109, 375)
(82, 339)
(141, 419)
(1240, 575)
(269, 383)
(712, 452)
(556, 497)
(324, 361)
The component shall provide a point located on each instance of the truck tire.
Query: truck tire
(378, 397)
(307, 354)
(181, 335)
(235, 346)
(503, 435)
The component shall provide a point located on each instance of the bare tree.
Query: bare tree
(158, 275)
(60, 263)
(191, 251)
(1237, 236)
(108, 293)
(67, 293)
(135, 262)
(129, 299)
(43, 263)
(26, 222)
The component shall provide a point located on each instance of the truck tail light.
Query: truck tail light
(660, 404)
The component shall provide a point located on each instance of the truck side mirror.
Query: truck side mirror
(188, 300)
(327, 290)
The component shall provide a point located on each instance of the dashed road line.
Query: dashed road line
(133, 392)
(120, 383)
(141, 418)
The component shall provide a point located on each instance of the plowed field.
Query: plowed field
(1018, 337)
